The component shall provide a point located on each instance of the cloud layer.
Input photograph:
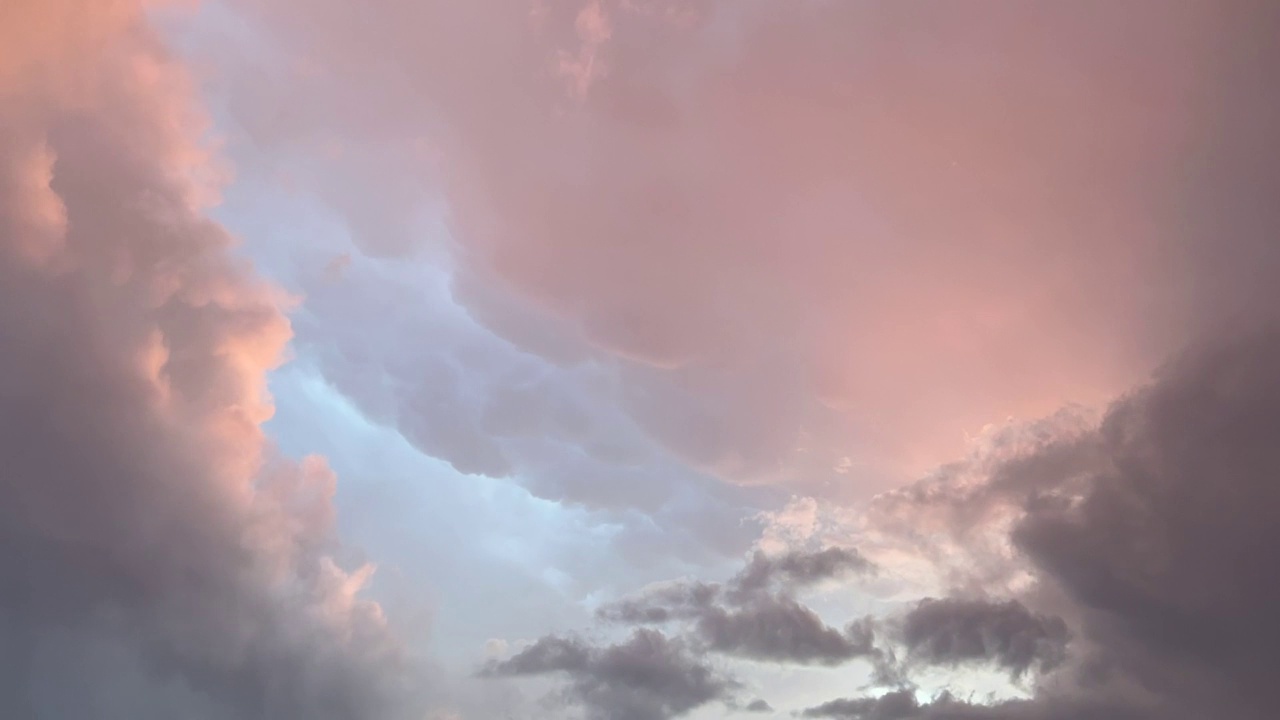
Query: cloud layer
(640, 271)
(805, 232)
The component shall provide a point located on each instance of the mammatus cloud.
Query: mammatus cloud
(646, 677)
(814, 232)
(800, 243)
(1152, 535)
(157, 557)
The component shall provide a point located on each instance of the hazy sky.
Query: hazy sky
(639, 359)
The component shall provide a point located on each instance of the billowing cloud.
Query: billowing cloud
(618, 252)
(159, 558)
(1151, 536)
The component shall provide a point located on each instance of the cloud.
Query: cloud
(780, 629)
(646, 677)
(896, 705)
(780, 235)
(903, 705)
(953, 631)
(158, 557)
(796, 569)
(806, 233)
(674, 601)
(1150, 536)
(756, 616)
(1162, 550)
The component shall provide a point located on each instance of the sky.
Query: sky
(639, 360)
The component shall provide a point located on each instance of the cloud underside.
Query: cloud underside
(805, 239)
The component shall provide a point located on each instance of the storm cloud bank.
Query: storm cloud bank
(1153, 536)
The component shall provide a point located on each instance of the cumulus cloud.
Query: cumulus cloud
(646, 677)
(159, 558)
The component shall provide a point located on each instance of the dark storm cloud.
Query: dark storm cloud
(797, 569)
(646, 677)
(780, 629)
(1155, 536)
(679, 601)
(952, 631)
(903, 705)
(896, 705)
(756, 616)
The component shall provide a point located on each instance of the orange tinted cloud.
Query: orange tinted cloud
(160, 558)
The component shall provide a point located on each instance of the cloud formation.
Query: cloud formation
(953, 631)
(158, 558)
(646, 677)
(1152, 535)
(795, 247)
(756, 616)
(813, 232)
(896, 705)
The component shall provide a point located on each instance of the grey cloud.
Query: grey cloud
(758, 706)
(896, 705)
(780, 629)
(954, 630)
(548, 654)
(1167, 552)
(797, 569)
(1152, 537)
(646, 677)
(902, 705)
(755, 615)
(678, 601)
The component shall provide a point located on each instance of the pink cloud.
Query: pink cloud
(859, 223)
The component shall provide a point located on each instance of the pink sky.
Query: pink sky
(799, 309)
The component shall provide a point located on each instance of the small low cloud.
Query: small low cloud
(646, 677)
